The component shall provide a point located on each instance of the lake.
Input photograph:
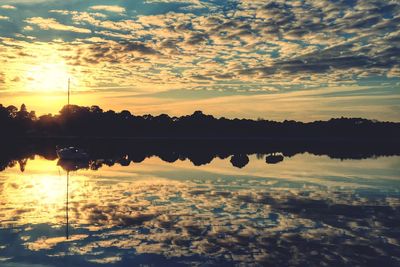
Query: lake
(306, 210)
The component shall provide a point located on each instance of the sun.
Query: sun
(47, 77)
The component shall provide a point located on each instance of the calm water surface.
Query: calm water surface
(305, 211)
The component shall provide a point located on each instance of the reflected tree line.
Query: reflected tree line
(78, 121)
(200, 152)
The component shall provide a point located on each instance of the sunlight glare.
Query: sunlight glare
(47, 77)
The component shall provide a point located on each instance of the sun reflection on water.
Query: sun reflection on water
(39, 195)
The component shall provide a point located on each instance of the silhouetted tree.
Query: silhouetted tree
(12, 110)
(92, 121)
(240, 160)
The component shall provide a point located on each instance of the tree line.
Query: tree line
(80, 121)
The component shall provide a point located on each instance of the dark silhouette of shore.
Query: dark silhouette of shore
(92, 122)
(199, 152)
(111, 137)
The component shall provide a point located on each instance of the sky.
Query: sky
(303, 60)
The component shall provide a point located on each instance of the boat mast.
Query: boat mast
(66, 210)
(69, 82)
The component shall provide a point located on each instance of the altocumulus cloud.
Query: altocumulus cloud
(7, 7)
(116, 9)
(52, 24)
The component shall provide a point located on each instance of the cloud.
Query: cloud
(116, 9)
(139, 47)
(2, 78)
(98, 20)
(52, 24)
(27, 2)
(7, 7)
(189, 4)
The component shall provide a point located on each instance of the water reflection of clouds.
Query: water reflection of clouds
(300, 168)
(119, 214)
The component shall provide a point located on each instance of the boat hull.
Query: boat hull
(72, 154)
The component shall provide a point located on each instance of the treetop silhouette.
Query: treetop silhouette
(80, 121)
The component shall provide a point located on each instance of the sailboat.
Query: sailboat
(70, 166)
(71, 153)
